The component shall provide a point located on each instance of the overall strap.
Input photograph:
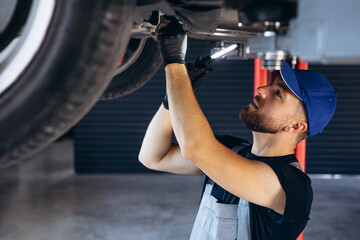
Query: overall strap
(239, 149)
(296, 164)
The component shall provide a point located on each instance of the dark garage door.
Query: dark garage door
(108, 139)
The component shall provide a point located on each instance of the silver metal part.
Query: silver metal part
(326, 31)
(145, 11)
(132, 59)
(272, 26)
(19, 53)
(266, 47)
(228, 35)
(7, 9)
(272, 60)
(143, 30)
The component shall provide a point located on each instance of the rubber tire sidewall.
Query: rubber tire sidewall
(66, 77)
(136, 75)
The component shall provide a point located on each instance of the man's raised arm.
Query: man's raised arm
(158, 152)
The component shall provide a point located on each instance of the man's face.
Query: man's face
(274, 108)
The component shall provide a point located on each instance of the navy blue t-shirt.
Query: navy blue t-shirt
(264, 222)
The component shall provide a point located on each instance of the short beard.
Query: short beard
(258, 122)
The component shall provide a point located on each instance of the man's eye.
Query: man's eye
(278, 93)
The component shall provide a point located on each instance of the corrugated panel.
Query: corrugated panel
(337, 149)
(108, 139)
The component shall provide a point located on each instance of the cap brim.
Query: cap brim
(289, 77)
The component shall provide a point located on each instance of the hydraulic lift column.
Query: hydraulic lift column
(300, 150)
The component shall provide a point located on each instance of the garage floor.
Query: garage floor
(42, 198)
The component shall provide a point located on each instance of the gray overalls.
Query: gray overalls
(218, 221)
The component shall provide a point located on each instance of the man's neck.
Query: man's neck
(272, 145)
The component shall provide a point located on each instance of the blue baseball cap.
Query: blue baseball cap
(315, 91)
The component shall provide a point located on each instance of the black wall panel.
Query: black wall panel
(108, 138)
(337, 149)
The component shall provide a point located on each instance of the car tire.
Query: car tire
(65, 77)
(141, 62)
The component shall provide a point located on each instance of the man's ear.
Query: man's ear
(297, 127)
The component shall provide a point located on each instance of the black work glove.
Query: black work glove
(197, 72)
(172, 40)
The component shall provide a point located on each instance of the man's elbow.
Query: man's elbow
(189, 152)
(195, 148)
(148, 162)
(145, 161)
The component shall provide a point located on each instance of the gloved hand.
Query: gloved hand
(172, 40)
(197, 72)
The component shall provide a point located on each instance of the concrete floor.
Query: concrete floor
(42, 198)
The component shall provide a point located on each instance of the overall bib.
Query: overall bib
(218, 221)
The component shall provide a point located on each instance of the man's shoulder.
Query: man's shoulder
(288, 166)
(231, 141)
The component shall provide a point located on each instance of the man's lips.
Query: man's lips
(255, 104)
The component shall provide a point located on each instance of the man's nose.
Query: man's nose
(261, 91)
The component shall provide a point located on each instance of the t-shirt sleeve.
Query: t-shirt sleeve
(298, 191)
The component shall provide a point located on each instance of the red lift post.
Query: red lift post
(261, 78)
(300, 150)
